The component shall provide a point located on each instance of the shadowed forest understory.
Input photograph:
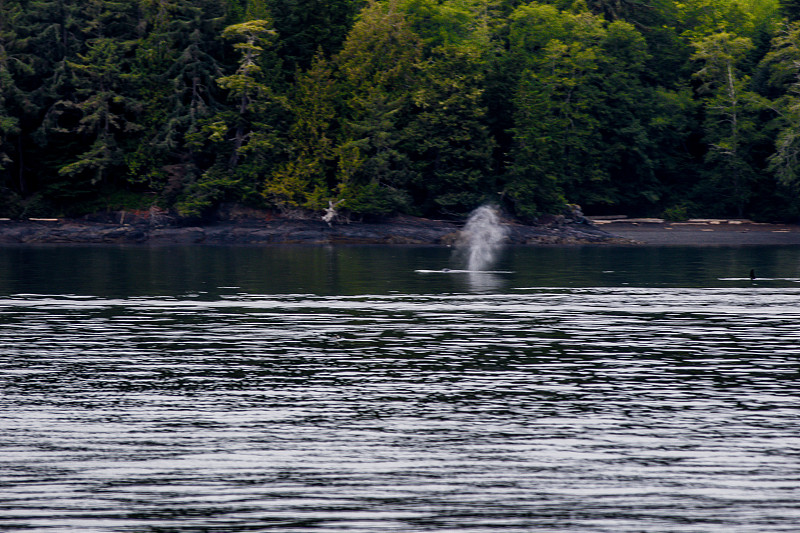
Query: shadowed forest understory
(420, 107)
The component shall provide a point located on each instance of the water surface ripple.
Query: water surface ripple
(558, 409)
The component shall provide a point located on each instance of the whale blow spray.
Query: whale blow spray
(481, 239)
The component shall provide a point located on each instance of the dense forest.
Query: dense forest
(423, 107)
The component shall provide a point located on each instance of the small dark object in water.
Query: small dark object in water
(752, 274)
(445, 270)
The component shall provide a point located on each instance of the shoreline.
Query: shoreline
(403, 230)
(702, 232)
(400, 231)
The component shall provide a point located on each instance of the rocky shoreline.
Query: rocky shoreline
(272, 230)
(400, 230)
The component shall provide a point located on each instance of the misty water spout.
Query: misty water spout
(481, 239)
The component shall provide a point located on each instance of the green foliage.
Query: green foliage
(579, 128)
(9, 124)
(15, 65)
(247, 86)
(244, 134)
(104, 109)
(790, 9)
(304, 180)
(671, 124)
(175, 71)
(676, 213)
(375, 71)
(731, 112)
(701, 18)
(307, 27)
(783, 63)
(427, 107)
(202, 195)
(448, 139)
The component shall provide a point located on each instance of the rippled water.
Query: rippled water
(587, 390)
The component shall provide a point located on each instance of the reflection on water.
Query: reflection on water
(484, 282)
(357, 395)
(124, 271)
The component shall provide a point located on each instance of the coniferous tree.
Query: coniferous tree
(557, 136)
(245, 133)
(580, 132)
(419, 106)
(306, 180)
(784, 64)
(10, 93)
(448, 137)
(730, 116)
(102, 110)
(790, 9)
(627, 153)
(89, 103)
(376, 68)
(246, 86)
(176, 66)
(309, 26)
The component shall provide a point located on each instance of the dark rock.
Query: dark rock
(177, 235)
(262, 231)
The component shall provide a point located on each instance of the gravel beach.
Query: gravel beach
(702, 232)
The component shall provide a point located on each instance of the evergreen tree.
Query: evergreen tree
(103, 109)
(790, 9)
(306, 179)
(88, 102)
(641, 13)
(10, 93)
(245, 131)
(246, 85)
(375, 69)
(580, 132)
(556, 135)
(176, 66)
(627, 153)
(418, 106)
(784, 64)
(730, 116)
(448, 137)
(309, 26)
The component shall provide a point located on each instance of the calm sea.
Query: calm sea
(338, 389)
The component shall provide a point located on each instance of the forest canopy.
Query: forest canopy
(421, 107)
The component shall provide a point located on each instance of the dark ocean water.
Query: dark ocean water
(317, 389)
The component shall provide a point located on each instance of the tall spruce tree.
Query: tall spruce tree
(783, 62)
(247, 85)
(790, 9)
(731, 117)
(102, 108)
(557, 137)
(91, 107)
(176, 66)
(376, 68)
(579, 130)
(245, 132)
